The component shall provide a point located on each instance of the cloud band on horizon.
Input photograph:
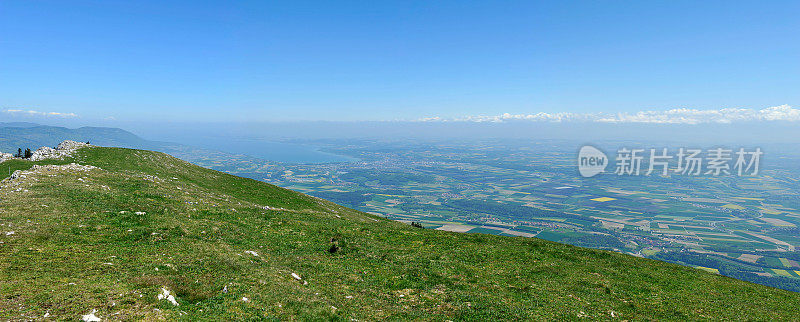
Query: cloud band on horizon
(672, 116)
(38, 113)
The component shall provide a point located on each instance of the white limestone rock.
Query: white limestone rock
(63, 150)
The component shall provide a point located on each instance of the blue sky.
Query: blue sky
(382, 60)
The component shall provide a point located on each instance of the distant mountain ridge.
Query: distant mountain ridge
(16, 135)
(30, 135)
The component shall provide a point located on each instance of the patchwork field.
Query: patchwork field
(740, 226)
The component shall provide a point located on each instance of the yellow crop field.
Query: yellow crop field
(782, 272)
(734, 207)
(769, 211)
(709, 269)
(747, 198)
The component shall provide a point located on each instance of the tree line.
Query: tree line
(26, 154)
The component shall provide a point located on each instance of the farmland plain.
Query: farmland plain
(744, 227)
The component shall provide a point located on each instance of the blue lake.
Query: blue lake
(275, 151)
(294, 153)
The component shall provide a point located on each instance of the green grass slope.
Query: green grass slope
(110, 239)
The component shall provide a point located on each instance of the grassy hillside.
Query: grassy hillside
(110, 239)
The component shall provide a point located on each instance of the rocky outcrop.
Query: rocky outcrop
(6, 156)
(69, 145)
(63, 150)
(37, 169)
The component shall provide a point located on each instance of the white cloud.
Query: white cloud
(38, 113)
(673, 116)
(783, 113)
